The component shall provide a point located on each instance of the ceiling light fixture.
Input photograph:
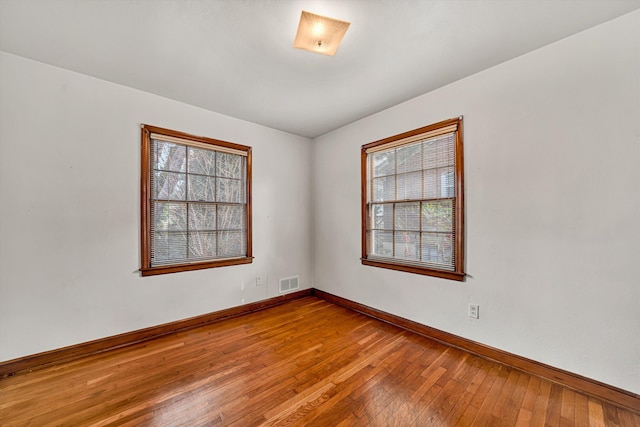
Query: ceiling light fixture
(320, 34)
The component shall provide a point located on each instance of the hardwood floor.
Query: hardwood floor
(307, 362)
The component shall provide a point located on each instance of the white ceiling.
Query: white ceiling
(236, 57)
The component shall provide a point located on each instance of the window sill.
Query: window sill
(451, 275)
(166, 269)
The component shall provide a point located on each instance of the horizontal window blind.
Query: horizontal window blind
(195, 202)
(409, 140)
(410, 200)
(193, 143)
(197, 209)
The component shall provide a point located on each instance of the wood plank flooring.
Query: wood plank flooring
(307, 362)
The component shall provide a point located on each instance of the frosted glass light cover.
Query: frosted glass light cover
(320, 34)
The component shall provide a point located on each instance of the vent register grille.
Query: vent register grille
(198, 203)
(289, 283)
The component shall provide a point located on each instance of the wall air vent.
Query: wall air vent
(289, 283)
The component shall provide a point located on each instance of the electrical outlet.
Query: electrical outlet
(258, 280)
(474, 311)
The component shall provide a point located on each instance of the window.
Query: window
(412, 201)
(196, 202)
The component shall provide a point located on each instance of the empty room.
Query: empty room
(319, 212)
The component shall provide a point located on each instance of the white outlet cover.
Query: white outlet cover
(474, 311)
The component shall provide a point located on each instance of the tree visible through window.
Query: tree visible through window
(196, 210)
(412, 201)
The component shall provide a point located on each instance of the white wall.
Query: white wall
(69, 211)
(552, 156)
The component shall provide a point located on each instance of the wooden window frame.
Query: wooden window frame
(146, 268)
(457, 273)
